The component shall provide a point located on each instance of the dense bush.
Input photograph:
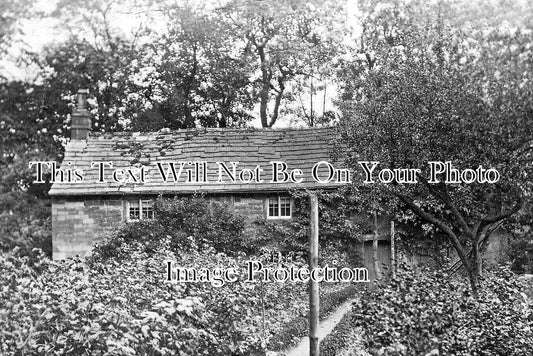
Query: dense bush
(124, 307)
(117, 301)
(25, 222)
(197, 223)
(190, 224)
(339, 232)
(139, 236)
(336, 214)
(418, 314)
(65, 308)
(207, 221)
(343, 339)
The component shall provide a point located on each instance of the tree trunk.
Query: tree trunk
(188, 89)
(474, 280)
(266, 76)
(470, 266)
(476, 257)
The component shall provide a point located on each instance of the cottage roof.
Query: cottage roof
(298, 148)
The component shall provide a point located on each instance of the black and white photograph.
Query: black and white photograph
(266, 177)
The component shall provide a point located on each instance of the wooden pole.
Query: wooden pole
(312, 113)
(313, 285)
(375, 259)
(392, 250)
(375, 247)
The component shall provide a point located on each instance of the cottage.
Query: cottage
(107, 179)
(114, 177)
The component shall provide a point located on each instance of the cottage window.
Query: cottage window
(279, 208)
(140, 209)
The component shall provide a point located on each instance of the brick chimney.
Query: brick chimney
(81, 118)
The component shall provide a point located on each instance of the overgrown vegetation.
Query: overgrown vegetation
(198, 222)
(424, 81)
(429, 91)
(427, 313)
(189, 224)
(118, 302)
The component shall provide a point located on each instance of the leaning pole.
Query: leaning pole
(313, 285)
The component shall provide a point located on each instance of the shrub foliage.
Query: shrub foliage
(118, 303)
(429, 313)
(188, 223)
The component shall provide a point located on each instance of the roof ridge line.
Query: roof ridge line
(209, 129)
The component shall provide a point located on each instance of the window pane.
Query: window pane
(135, 212)
(148, 213)
(147, 209)
(285, 206)
(273, 207)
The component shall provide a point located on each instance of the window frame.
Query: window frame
(140, 201)
(278, 216)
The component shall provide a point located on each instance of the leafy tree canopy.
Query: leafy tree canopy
(426, 91)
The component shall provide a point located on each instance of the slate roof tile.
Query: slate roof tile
(299, 148)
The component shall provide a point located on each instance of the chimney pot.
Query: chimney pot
(81, 118)
(82, 98)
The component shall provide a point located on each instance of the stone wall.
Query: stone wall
(78, 222)
(250, 206)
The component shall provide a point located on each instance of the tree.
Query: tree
(106, 71)
(99, 54)
(435, 93)
(199, 75)
(283, 41)
(34, 126)
(211, 66)
(27, 133)
(11, 12)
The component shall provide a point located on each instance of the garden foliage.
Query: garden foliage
(118, 303)
(339, 232)
(197, 223)
(125, 307)
(427, 312)
(188, 223)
